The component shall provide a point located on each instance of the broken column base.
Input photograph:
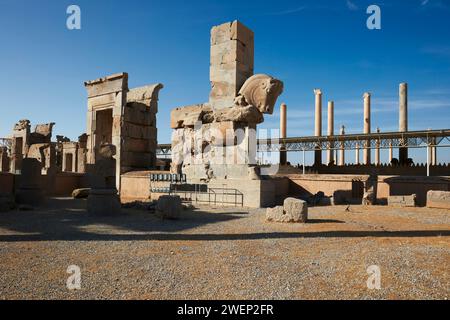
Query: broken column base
(103, 202)
(169, 207)
(293, 210)
(438, 199)
(402, 201)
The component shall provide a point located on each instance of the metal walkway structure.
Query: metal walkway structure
(385, 140)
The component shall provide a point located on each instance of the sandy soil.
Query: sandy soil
(225, 253)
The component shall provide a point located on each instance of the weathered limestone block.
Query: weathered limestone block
(277, 214)
(42, 133)
(145, 95)
(231, 62)
(23, 124)
(402, 201)
(370, 190)
(247, 114)
(30, 190)
(293, 210)
(169, 207)
(81, 193)
(113, 83)
(297, 209)
(438, 199)
(103, 198)
(188, 116)
(103, 202)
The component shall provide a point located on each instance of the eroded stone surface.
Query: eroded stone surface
(438, 199)
(293, 210)
(402, 201)
(169, 207)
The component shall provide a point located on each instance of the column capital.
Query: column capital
(366, 95)
(317, 91)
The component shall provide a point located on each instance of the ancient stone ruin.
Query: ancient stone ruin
(125, 118)
(36, 145)
(215, 142)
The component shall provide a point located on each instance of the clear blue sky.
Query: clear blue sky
(306, 44)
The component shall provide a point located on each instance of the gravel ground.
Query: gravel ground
(224, 253)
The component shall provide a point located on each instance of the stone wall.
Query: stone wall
(125, 118)
(231, 63)
(4, 159)
(352, 185)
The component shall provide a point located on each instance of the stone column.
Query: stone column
(434, 153)
(377, 150)
(4, 160)
(357, 153)
(318, 125)
(403, 119)
(366, 151)
(283, 133)
(342, 150)
(330, 151)
(231, 62)
(391, 152)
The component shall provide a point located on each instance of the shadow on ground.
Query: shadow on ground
(66, 220)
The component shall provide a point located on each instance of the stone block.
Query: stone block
(293, 210)
(106, 100)
(81, 193)
(231, 31)
(187, 116)
(438, 199)
(402, 201)
(297, 209)
(103, 202)
(144, 94)
(113, 83)
(169, 207)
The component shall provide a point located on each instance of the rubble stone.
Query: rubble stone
(438, 199)
(169, 207)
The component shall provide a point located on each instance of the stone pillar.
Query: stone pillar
(391, 152)
(366, 151)
(342, 150)
(283, 133)
(231, 63)
(4, 159)
(318, 125)
(330, 151)
(403, 119)
(357, 154)
(434, 153)
(30, 189)
(377, 150)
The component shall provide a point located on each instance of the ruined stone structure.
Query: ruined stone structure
(4, 159)
(232, 55)
(125, 118)
(215, 142)
(74, 155)
(103, 198)
(36, 144)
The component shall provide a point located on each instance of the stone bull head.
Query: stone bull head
(261, 91)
